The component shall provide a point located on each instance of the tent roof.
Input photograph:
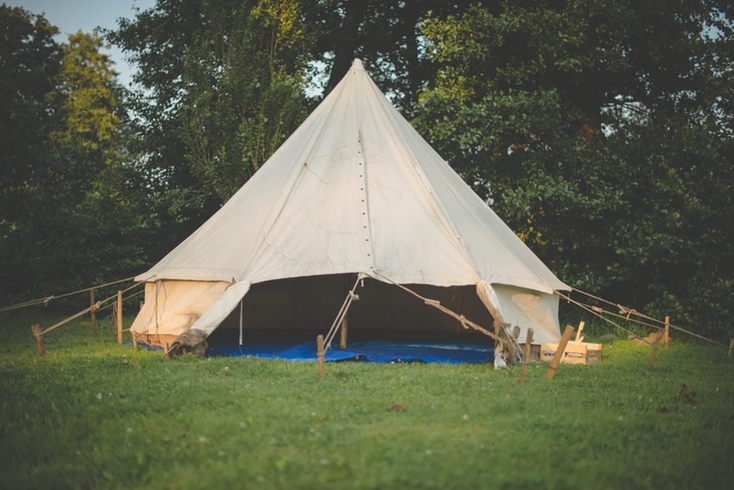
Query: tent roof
(356, 189)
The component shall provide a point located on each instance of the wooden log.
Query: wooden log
(344, 332)
(93, 312)
(579, 338)
(666, 336)
(119, 317)
(320, 354)
(654, 352)
(526, 357)
(36, 329)
(559, 352)
(731, 348)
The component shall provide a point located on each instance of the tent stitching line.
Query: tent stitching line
(293, 187)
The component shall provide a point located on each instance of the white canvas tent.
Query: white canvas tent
(354, 192)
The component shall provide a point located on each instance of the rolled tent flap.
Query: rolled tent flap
(490, 300)
(222, 307)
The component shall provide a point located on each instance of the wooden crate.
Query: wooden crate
(575, 353)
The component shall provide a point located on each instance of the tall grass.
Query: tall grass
(93, 414)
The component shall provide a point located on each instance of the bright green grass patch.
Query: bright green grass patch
(93, 414)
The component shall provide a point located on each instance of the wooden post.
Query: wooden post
(93, 312)
(526, 357)
(654, 352)
(344, 332)
(166, 354)
(666, 336)
(559, 352)
(320, 354)
(119, 317)
(36, 329)
(579, 338)
(731, 348)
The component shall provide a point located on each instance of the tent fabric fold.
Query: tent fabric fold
(356, 190)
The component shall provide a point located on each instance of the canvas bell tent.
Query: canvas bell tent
(354, 204)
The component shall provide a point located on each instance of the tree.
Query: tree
(601, 132)
(386, 35)
(29, 62)
(244, 92)
(70, 213)
(221, 86)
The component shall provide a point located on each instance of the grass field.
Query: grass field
(93, 414)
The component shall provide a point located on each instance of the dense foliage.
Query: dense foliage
(601, 132)
(72, 209)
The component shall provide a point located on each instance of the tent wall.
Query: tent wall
(171, 307)
(311, 304)
(528, 308)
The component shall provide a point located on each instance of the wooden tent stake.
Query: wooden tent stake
(36, 329)
(344, 331)
(93, 312)
(654, 352)
(731, 348)
(526, 357)
(320, 354)
(119, 317)
(559, 352)
(666, 336)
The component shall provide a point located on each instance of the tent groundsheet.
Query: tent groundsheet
(294, 348)
(377, 351)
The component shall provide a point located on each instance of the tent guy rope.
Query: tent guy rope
(625, 313)
(48, 299)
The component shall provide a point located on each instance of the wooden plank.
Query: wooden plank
(579, 338)
(559, 352)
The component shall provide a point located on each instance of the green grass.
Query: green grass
(93, 414)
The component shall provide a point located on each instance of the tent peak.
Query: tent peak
(357, 64)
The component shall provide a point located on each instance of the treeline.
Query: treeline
(601, 132)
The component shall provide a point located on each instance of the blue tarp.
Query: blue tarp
(368, 351)
(377, 351)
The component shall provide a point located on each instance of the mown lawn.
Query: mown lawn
(93, 414)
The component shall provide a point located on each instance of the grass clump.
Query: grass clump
(93, 414)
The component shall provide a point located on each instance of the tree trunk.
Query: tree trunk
(347, 41)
